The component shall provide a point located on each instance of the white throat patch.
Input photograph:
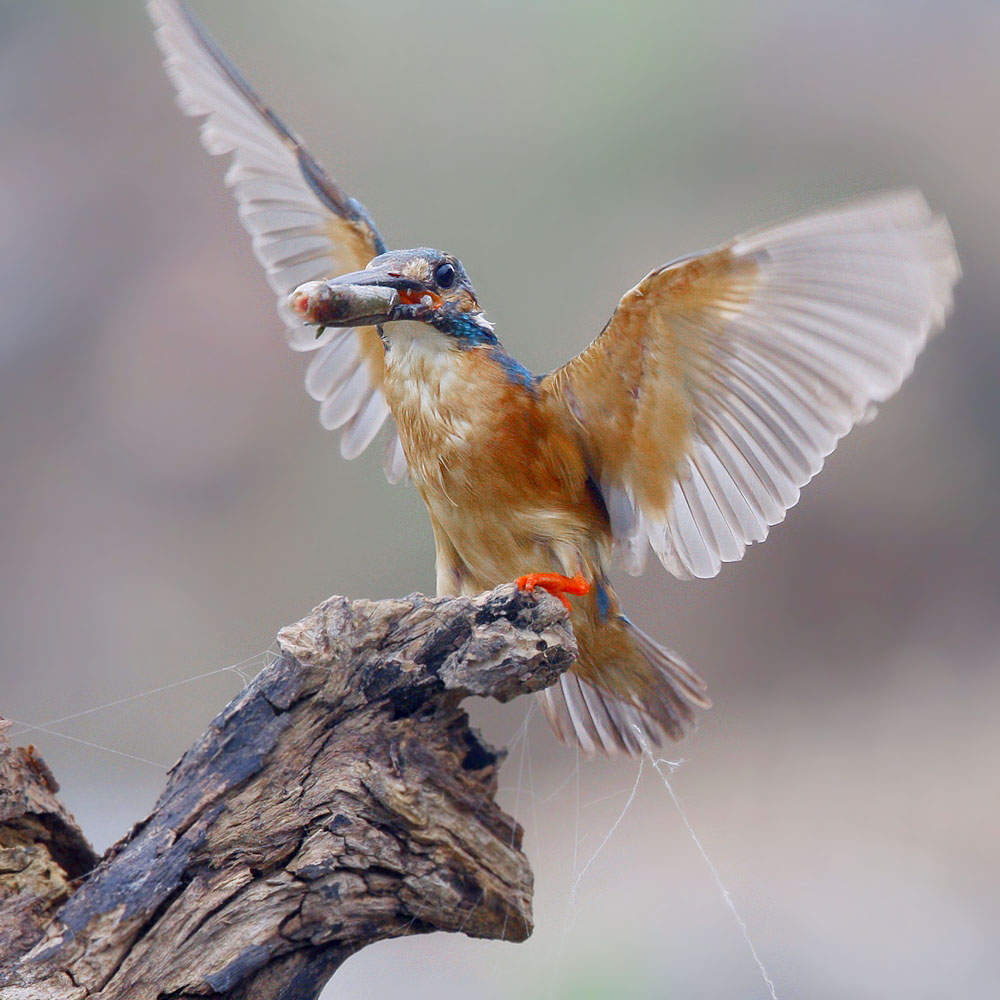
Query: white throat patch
(411, 345)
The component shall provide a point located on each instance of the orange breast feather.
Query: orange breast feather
(504, 479)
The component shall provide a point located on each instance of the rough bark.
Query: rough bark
(340, 799)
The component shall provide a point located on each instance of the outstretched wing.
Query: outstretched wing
(723, 380)
(304, 226)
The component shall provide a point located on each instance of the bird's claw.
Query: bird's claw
(556, 584)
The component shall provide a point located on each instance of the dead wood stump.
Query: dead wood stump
(340, 799)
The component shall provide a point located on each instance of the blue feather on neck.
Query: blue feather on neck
(472, 333)
(465, 327)
(513, 369)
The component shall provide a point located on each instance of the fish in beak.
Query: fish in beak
(362, 298)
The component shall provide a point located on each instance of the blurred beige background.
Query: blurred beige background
(168, 499)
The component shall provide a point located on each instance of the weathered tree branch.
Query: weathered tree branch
(340, 799)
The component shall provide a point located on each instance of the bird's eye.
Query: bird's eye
(444, 275)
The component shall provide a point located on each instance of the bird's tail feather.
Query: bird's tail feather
(600, 722)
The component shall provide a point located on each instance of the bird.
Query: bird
(688, 426)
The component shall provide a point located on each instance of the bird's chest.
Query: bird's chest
(502, 484)
(442, 407)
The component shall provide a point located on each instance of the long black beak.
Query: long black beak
(362, 298)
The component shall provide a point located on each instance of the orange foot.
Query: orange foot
(555, 584)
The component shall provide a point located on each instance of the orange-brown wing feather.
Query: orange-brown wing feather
(723, 380)
(304, 226)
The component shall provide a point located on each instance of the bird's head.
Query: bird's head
(400, 287)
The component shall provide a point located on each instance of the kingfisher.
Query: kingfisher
(711, 397)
